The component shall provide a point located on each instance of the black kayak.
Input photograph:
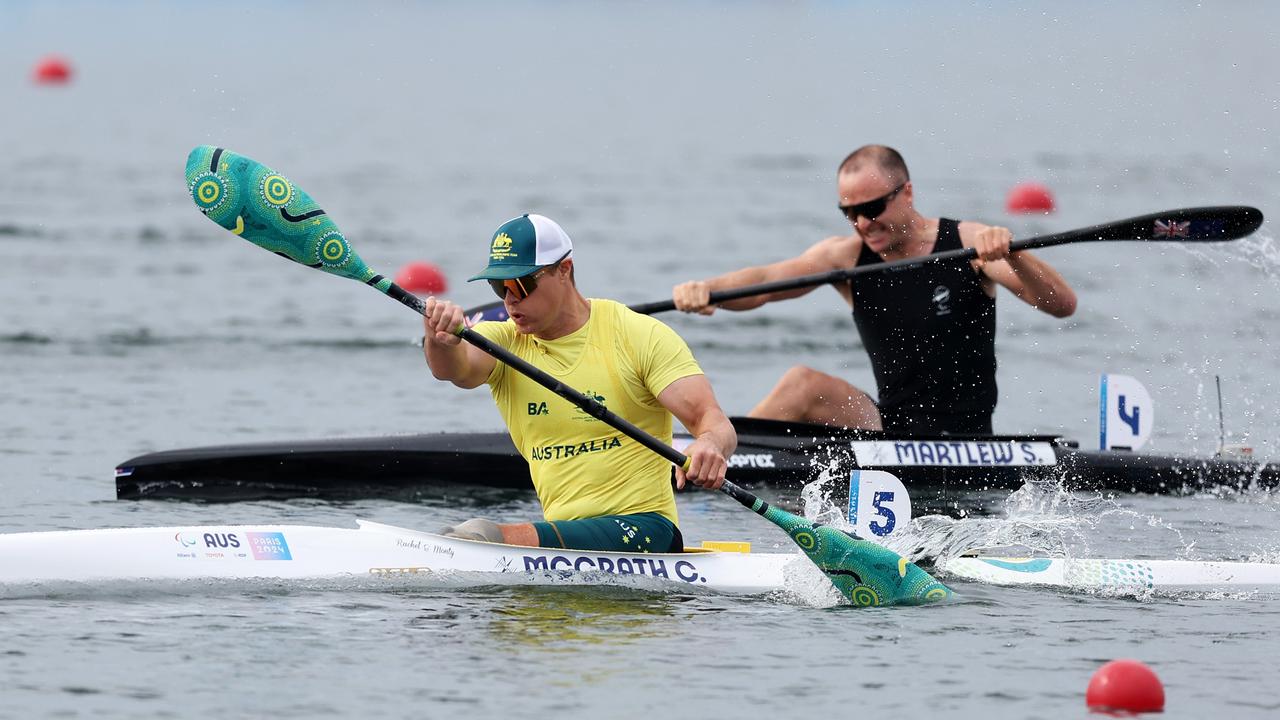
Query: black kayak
(939, 470)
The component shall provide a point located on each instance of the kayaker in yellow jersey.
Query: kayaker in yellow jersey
(599, 489)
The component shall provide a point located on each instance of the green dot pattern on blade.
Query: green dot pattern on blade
(265, 208)
(209, 191)
(864, 572)
(333, 249)
(276, 191)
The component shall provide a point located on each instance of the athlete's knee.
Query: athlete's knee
(475, 529)
(801, 378)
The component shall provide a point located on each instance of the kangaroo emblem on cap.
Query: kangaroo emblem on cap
(501, 247)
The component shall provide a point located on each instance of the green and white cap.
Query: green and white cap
(524, 244)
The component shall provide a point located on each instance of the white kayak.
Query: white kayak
(374, 552)
(299, 552)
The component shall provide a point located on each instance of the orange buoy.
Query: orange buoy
(1125, 686)
(52, 70)
(1029, 197)
(421, 278)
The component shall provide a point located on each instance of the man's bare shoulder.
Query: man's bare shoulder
(834, 252)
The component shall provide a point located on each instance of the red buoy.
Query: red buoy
(1029, 197)
(421, 278)
(1125, 686)
(52, 70)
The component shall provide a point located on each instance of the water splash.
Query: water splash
(1242, 413)
(1042, 519)
(1243, 365)
(1261, 252)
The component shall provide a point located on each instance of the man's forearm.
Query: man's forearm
(1046, 288)
(718, 431)
(737, 279)
(447, 362)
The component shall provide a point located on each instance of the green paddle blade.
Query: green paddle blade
(864, 572)
(265, 208)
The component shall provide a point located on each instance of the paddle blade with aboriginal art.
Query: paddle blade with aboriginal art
(864, 572)
(265, 208)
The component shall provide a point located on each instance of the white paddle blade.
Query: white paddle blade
(1125, 413)
(878, 504)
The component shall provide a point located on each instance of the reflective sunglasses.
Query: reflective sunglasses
(522, 287)
(870, 209)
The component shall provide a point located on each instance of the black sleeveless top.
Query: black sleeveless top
(930, 332)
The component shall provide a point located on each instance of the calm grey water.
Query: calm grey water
(673, 141)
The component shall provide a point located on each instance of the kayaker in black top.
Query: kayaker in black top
(930, 333)
(929, 330)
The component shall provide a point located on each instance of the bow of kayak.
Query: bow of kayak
(1118, 576)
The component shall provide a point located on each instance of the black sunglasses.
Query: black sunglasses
(870, 209)
(522, 287)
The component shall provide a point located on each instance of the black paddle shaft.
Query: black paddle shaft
(1206, 224)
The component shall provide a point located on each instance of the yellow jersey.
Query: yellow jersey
(582, 467)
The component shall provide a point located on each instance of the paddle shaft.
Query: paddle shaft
(835, 276)
(1206, 224)
(1203, 224)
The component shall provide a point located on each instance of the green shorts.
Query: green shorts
(639, 533)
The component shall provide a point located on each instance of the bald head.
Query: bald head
(881, 158)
